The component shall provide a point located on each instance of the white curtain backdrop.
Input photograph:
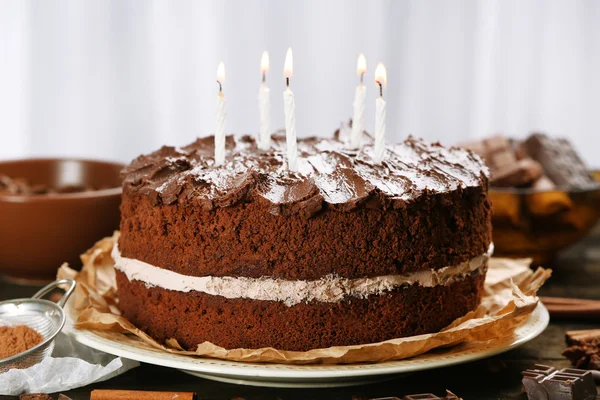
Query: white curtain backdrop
(111, 79)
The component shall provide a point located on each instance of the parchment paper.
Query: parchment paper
(509, 299)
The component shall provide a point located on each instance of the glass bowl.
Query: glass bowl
(539, 224)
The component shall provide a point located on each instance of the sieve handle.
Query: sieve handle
(51, 286)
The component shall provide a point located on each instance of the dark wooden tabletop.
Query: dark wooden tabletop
(576, 274)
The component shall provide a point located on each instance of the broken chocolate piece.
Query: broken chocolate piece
(560, 161)
(516, 173)
(20, 186)
(584, 348)
(508, 167)
(547, 383)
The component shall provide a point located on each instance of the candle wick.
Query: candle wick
(362, 76)
(220, 87)
(264, 77)
(287, 81)
(380, 89)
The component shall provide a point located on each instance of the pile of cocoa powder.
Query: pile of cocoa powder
(17, 339)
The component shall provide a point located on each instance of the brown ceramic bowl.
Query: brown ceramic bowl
(40, 232)
(538, 224)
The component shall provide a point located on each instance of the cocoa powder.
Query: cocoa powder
(17, 339)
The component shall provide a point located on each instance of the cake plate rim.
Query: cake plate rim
(312, 375)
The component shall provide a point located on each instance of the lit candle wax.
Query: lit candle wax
(220, 118)
(264, 105)
(380, 113)
(358, 118)
(290, 114)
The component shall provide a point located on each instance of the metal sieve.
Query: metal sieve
(44, 316)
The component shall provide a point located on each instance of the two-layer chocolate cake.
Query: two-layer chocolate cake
(343, 252)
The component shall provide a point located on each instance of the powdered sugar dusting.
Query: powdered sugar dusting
(327, 171)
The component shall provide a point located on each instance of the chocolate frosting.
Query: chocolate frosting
(329, 174)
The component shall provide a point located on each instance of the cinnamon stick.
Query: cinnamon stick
(581, 337)
(561, 307)
(140, 395)
(567, 300)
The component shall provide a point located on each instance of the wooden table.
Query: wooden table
(576, 274)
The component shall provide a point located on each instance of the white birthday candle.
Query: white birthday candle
(220, 118)
(380, 115)
(290, 114)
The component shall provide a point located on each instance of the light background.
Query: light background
(112, 79)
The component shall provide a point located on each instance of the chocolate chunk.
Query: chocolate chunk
(508, 167)
(560, 161)
(20, 186)
(584, 348)
(547, 383)
(516, 173)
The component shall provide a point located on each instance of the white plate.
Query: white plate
(277, 375)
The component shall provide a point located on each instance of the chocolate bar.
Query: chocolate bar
(584, 348)
(508, 167)
(547, 383)
(559, 160)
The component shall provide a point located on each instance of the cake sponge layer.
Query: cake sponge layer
(246, 240)
(195, 317)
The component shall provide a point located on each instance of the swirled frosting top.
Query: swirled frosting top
(329, 174)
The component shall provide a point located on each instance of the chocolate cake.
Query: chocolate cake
(345, 251)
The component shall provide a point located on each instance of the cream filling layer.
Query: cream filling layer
(330, 289)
